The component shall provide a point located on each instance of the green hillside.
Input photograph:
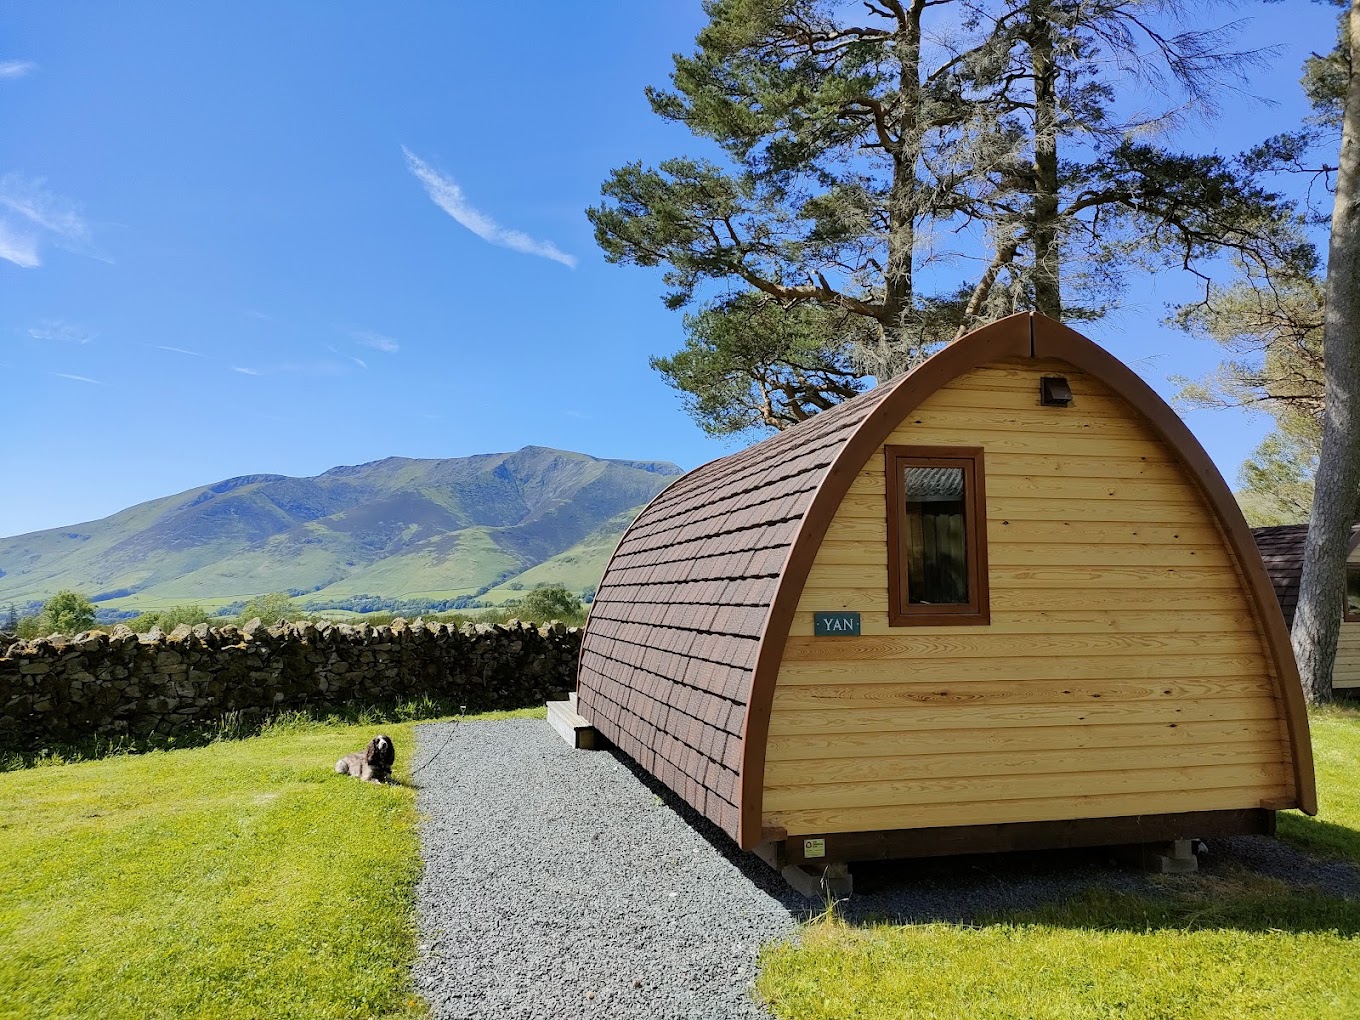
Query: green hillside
(395, 528)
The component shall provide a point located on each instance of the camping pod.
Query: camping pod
(1282, 550)
(1004, 601)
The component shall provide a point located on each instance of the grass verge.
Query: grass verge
(240, 879)
(1209, 949)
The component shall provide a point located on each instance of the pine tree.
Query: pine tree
(12, 623)
(866, 158)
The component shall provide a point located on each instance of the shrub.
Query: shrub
(69, 612)
(271, 609)
(550, 602)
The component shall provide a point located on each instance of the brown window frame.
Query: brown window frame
(1347, 616)
(977, 611)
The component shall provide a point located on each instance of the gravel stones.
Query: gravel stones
(557, 884)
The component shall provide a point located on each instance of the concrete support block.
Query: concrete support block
(834, 882)
(1179, 860)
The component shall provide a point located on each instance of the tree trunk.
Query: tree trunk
(1047, 291)
(1317, 621)
(898, 299)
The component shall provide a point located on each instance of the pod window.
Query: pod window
(1352, 593)
(937, 536)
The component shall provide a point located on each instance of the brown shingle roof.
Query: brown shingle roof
(1282, 552)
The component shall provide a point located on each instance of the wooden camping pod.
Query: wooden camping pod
(1116, 670)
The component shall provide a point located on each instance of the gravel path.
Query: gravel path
(558, 885)
(562, 883)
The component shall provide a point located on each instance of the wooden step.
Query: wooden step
(572, 728)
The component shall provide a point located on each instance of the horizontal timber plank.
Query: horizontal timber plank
(1047, 762)
(1008, 553)
(861, 696)
(1111, 599)
(933, 416)
(962, 789)
(847, 531)
(957, 669)
(1053, 468)
(984, 642)
(964, 717)
(1037, 810)
(971, 394)
(1052, 622)
(1001, 486)
(1111, 576)
(996, 440)
(804, 746)
(1185, 508)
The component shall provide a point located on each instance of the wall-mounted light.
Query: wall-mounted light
(1054, 391)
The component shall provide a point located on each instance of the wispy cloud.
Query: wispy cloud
(177, 350)
(77, 378)
(376, 340)
(576, 414)
(21, 249)
(16, 68)
(313, 369)
(57, 331)
(31, 213)
(446, 194)
(341, 354)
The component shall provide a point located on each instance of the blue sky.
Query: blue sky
(247, 237)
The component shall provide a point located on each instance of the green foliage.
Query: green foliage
(69, 612)
(168, 619)
(551, 602)
(277, 607)
(749, 364)
(34, 626)
(1277, 481)
(1224, 947)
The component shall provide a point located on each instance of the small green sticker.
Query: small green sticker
(835, 624)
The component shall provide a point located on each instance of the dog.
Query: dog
(373, 763)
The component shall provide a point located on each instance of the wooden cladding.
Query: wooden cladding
(937, 535)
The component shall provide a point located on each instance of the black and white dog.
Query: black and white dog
(373, 763)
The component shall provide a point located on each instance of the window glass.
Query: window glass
(937, 536)
(1353, 591)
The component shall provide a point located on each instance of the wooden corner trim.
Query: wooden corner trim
(1054, 340)
(1010, 337)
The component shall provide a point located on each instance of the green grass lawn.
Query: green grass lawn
(241, 879)
(1211, 948)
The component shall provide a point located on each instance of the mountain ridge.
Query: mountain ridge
(450, 526)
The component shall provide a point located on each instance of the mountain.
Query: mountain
(395, 528)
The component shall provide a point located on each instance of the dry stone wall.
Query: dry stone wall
(119, 683)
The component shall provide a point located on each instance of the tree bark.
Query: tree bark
(1317, 620)
(1044, 231)
(898, 299)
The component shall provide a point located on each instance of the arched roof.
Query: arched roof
(688, 626)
